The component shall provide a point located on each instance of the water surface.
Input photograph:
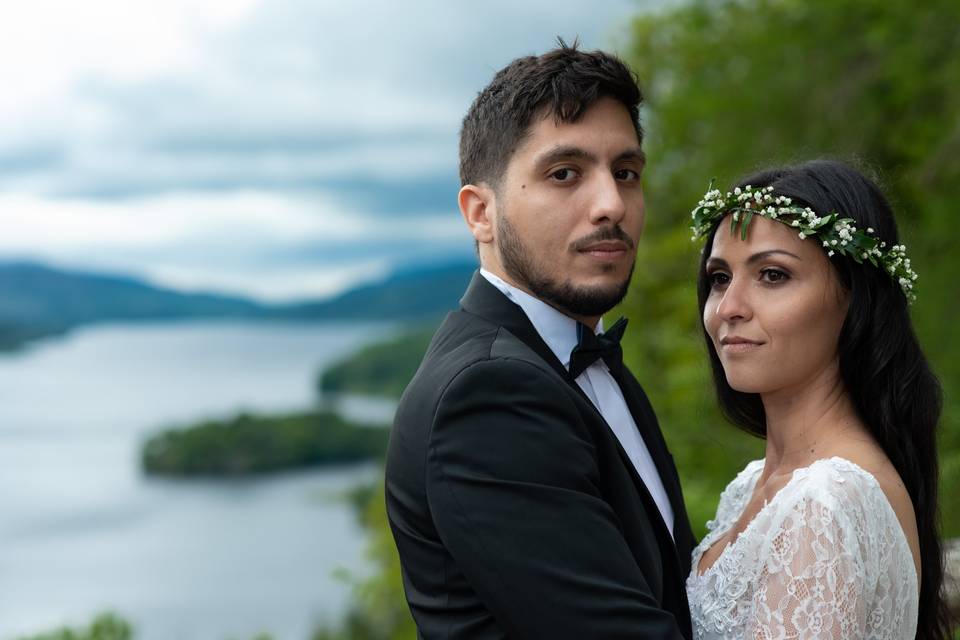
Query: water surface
(83, 530)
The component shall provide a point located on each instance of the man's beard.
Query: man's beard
(522, 266)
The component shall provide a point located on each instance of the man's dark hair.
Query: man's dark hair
(563, 82)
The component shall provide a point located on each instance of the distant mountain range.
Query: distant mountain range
(412, 293)
(41, 296)
(37, 300)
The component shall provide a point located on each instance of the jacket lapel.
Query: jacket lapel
(485, 300)
(647, 424)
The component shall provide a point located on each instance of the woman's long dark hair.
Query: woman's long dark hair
(881, 363)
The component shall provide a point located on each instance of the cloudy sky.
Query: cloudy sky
(273, 148)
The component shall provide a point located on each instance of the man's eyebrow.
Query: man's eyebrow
(636, 154)
(570, 152)
(564, 152)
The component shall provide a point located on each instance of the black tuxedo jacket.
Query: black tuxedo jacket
(516, 512)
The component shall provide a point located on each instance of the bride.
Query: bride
(804, 293)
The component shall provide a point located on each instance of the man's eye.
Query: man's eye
(564, 175)
(627, 174)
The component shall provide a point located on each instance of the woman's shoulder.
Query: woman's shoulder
(836, 503)
(840, 495)
(837, 485)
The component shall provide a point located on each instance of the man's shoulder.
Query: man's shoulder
(464, 340)
(466, 343)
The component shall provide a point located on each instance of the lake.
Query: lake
(82, 530)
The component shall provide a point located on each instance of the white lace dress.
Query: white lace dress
(825, 558)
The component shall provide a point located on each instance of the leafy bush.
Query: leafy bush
(106, 626)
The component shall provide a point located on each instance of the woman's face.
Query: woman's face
(775, 307)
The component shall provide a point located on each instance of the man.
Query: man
(529, 489)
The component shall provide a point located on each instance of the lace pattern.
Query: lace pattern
(825, 558)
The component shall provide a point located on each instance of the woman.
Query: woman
(804, 292)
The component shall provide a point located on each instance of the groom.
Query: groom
(529, 489)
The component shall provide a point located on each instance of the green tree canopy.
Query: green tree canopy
(735, 85)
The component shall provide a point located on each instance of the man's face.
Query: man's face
(569, 211)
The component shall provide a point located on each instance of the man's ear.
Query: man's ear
(478, 207)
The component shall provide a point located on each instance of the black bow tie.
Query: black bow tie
(592, 347)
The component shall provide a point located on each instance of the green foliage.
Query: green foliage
(106, 626)
(379, 610)
(252, 444)
(733, 85)
(383, 368)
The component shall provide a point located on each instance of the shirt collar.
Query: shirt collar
(558, 331)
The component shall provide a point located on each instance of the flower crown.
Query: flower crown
(838, 235)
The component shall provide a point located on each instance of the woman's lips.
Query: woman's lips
(737, 344)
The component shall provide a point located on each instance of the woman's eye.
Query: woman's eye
(718, 279)
(774, 275)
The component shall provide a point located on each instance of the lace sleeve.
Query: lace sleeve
(813, 580)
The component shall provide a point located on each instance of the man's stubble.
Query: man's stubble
(559, 292)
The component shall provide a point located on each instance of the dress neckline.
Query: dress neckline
(702, 548)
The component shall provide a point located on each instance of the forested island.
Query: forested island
(15, 335)
(382, 369)
(250, 444)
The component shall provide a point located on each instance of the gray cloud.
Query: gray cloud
(299, 92)
(357, 102)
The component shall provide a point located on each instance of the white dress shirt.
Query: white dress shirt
(559, 332)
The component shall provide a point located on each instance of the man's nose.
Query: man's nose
(608, 205)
